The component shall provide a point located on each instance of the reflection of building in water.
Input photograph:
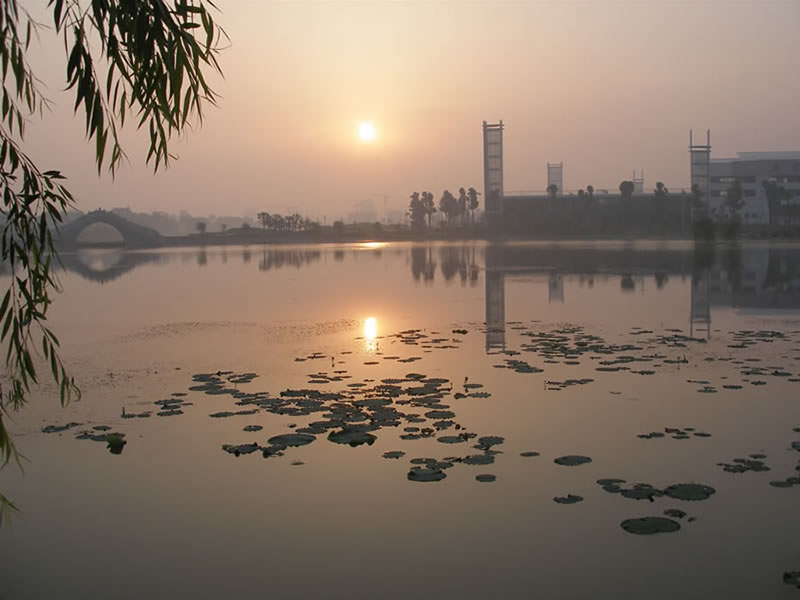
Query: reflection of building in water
(495, 300)
(756, 278)
(750, 277)
(555, 288)
(700, 303)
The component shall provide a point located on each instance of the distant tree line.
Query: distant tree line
(457, 211)
(294, 222)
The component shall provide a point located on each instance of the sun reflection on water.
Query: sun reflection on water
(372, 245)
(371, 334)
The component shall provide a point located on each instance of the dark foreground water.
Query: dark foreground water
(600, 420)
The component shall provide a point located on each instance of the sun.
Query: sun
(366, 131)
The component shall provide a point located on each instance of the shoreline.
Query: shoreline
(237, 238)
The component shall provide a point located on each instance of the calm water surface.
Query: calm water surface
(659, 362)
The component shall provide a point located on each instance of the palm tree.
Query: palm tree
(462, 204)
(472, 196)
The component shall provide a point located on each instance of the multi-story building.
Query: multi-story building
(755, 171)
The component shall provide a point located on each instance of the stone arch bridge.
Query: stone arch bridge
(133, 235)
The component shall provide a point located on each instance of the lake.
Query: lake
(571, 420)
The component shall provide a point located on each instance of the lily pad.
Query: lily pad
(240, 449)
(485, 478)
(691, 492)
(650, 525)
(116, 443)
(568, 499)
(59, 428)
(424, 474)
(292, 439)
(393, 454)
(572, 460)
(352, 437)
(478, 459)
(529, 453)
(792, 578)
(451, 439)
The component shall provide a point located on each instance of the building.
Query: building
(493, 173)
(770, 184)
(555, 176)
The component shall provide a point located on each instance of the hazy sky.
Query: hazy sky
(604, 86)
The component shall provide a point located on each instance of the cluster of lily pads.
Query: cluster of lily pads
(572, 345)
(677, 433)
(353, 413)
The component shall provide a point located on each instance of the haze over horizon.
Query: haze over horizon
(604, 86)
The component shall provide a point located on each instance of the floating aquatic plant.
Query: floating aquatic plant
(650, 525)
(572, 460)
(568, 499)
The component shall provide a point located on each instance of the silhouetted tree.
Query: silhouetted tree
(416, 212)
(626, 189)
(734, 200)
(264, 218)
(552, 191)
(148, 61)
(472, 195)
(462, 204)
(660, 201)
(590, 191)
(200, 226)
(428, 205)
(448, 205)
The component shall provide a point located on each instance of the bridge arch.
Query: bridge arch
(133, 235)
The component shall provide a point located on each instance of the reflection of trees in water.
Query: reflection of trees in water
(202, 257)
(246, 255)
(422, 265)
(459, 260)
(277, 259)
(733, 266)
(626, 283)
